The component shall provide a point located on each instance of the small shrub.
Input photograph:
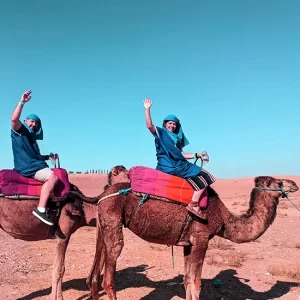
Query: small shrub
(297, 245)
(219, 243)
(291, 271)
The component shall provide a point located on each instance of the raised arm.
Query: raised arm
(15, 117)
(147, 105)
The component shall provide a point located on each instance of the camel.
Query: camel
(165, 222)
(17, 220)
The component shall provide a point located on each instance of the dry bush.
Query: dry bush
(290, 271)
(283, 205)
(231, 258)
(216, 260)
(236, 259)
(297, 245)
(281, 215)
(219, 243)
(157, 247)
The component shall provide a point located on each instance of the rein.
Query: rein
(120, 192)
(284, 193)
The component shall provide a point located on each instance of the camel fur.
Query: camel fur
(17, 220)
(161, 222)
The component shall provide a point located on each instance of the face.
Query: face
(171, 126)
(31, 124)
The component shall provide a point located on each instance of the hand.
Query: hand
(147, 103)
(26, 96)
(203, 157)
(53, 156)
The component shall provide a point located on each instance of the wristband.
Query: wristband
(22, 102)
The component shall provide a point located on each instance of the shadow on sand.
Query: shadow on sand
(232, 287)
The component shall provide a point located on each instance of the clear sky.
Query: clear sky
(229, 70)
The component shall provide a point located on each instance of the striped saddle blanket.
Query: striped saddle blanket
(14, 184)
(153, 182)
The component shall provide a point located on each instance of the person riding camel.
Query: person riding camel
(28, 160)
(169, 142)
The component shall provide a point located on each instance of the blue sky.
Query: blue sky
(229, 70)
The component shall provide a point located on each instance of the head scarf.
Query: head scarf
(177, 136)
(36, 134)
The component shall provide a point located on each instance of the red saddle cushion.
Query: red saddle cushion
(151, 181)
(12, 183)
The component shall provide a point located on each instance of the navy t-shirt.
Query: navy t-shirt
(27, 157)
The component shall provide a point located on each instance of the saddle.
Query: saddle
(15, 186)
(157, 184)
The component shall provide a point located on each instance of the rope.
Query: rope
(293, 203)
(120, 192)
(144, 199)
(172, 257)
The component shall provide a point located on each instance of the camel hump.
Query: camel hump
(13, 184)
(153, 182)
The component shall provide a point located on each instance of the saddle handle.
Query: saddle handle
(55, 161)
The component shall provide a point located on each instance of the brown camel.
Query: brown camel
(166, 222)
(17, 220)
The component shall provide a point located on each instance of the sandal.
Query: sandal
(200, 213)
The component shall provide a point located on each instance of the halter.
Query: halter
(283, 192)
(280, 189)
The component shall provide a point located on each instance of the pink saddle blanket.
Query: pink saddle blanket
(12, 183)
(150, 181)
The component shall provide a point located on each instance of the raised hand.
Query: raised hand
(26, 96)
(147, 103)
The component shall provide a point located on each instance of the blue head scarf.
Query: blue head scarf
(36, 134)
(177, 136)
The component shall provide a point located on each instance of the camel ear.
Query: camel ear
(114, 172)
(268, 181)
(262, 181)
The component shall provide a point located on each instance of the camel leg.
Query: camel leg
(93, 278)
(68, 227)
(59, 268)
(193, 261)
(114, 242)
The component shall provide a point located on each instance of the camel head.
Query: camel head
(283, 186)
(118, 174)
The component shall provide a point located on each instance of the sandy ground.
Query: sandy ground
(268, 268)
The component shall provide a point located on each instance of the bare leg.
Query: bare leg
(193, 261)
(47, 188)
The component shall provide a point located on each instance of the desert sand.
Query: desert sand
(268, 268)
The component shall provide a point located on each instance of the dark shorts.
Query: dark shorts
(201, 181)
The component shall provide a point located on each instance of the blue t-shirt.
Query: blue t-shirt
(27, 157)
(170, 159)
